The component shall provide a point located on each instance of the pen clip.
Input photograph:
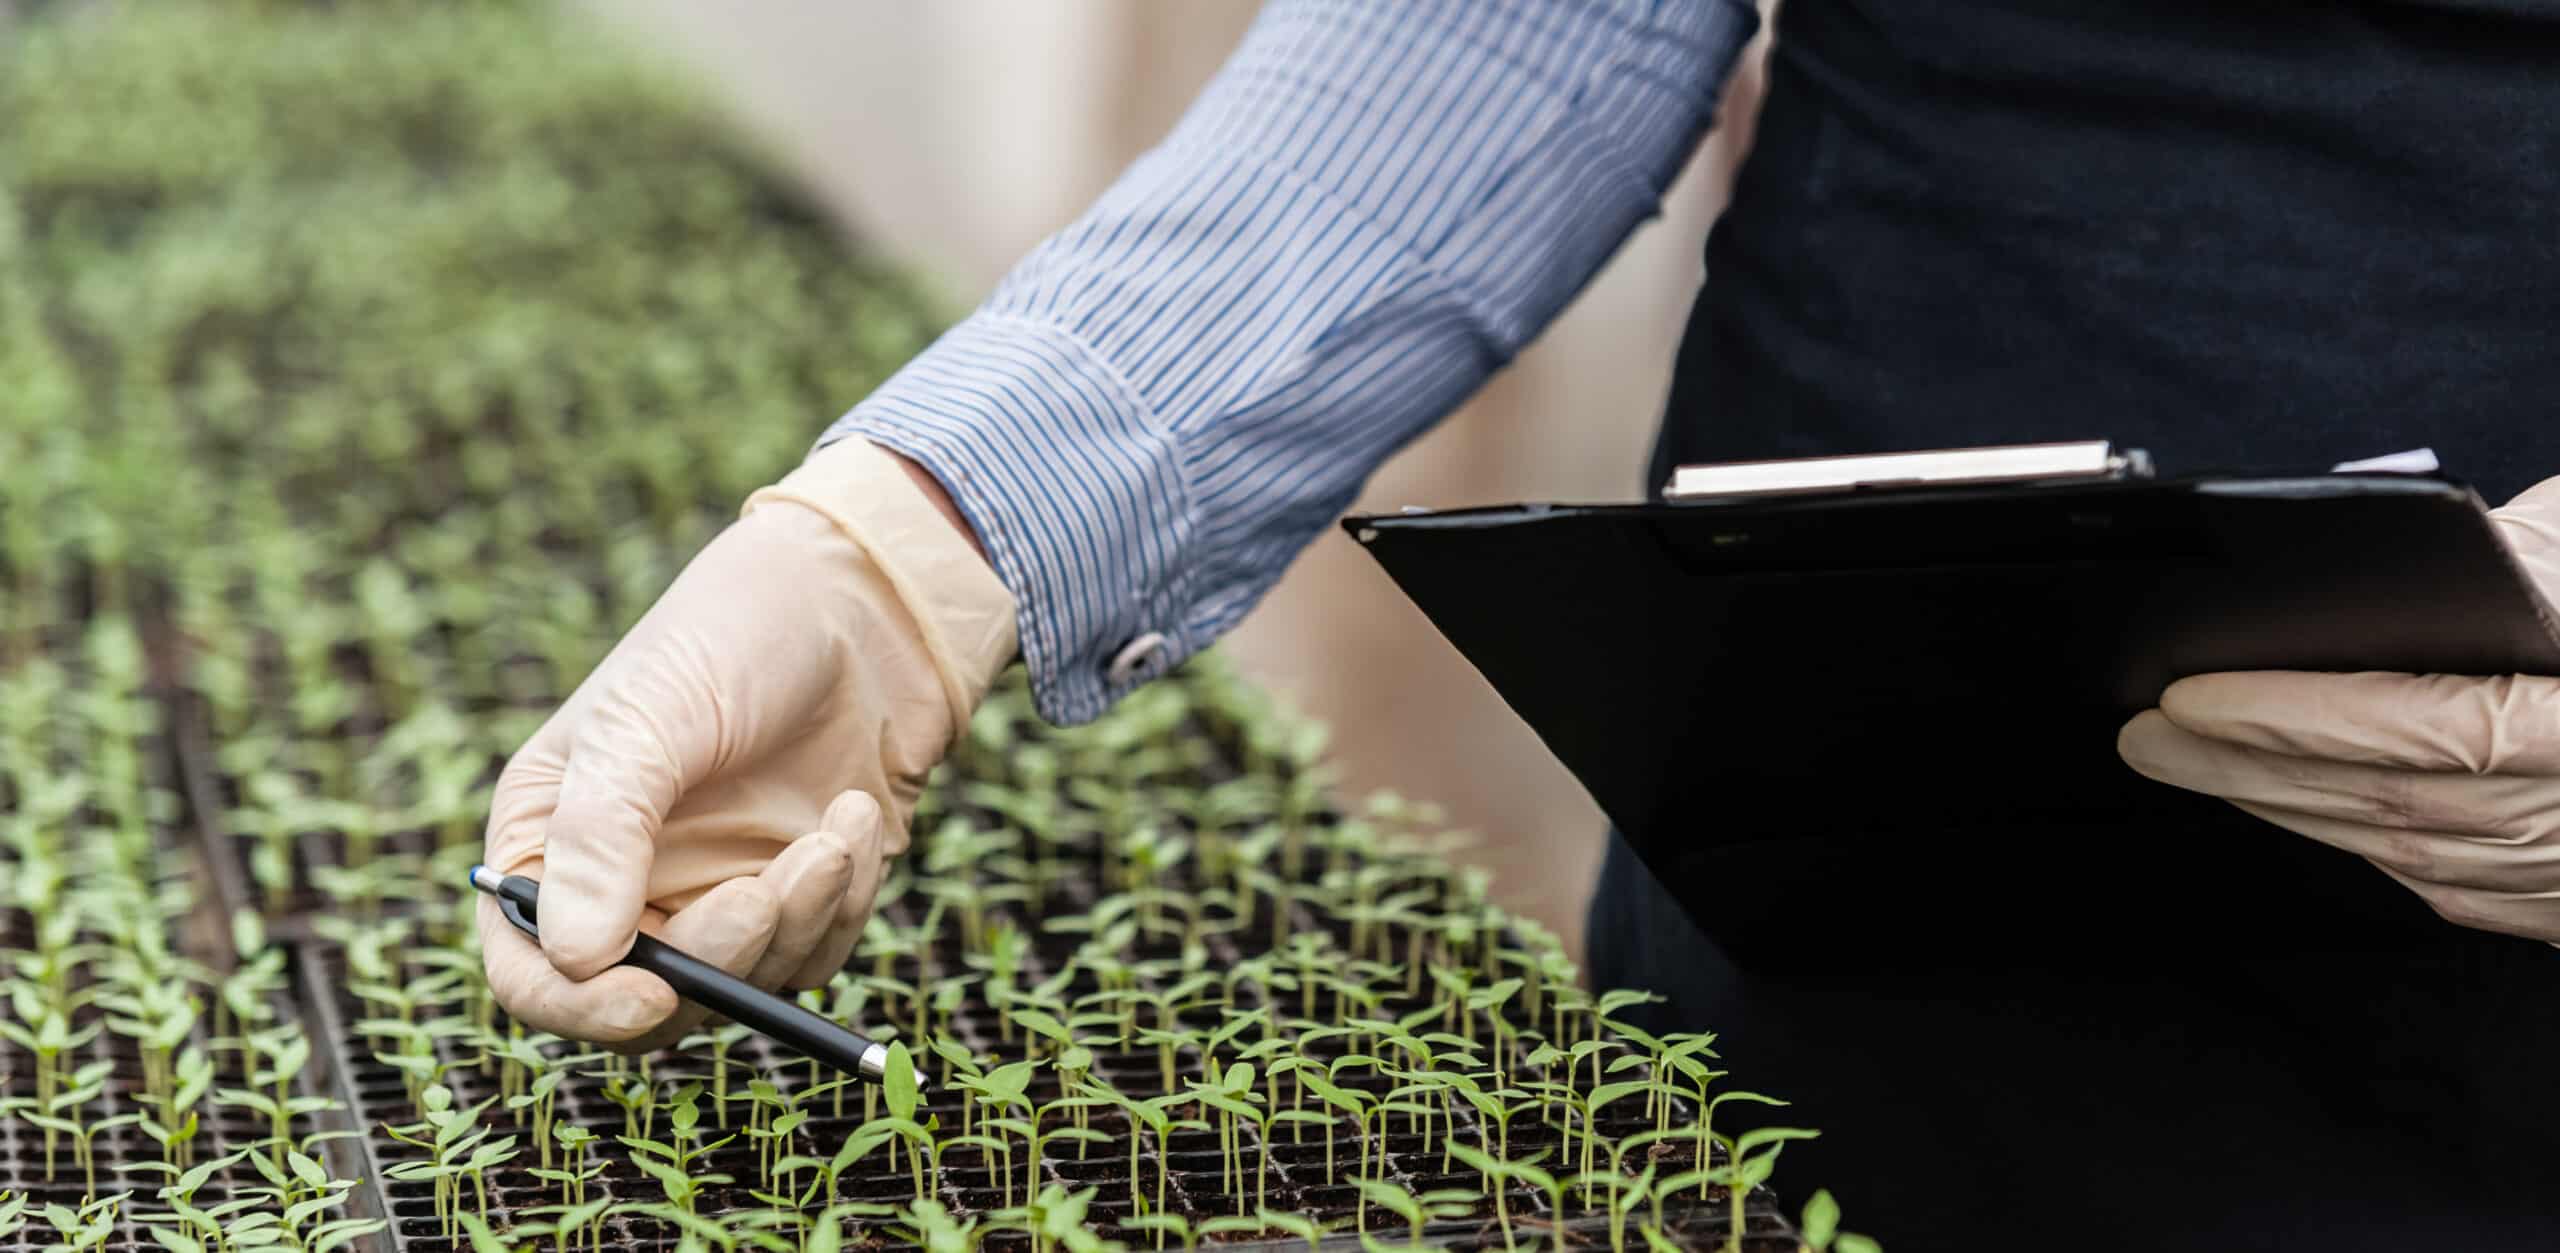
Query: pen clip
(515, 914)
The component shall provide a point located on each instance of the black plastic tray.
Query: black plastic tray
(221, 1131)
(378, 1096)
(210, 797)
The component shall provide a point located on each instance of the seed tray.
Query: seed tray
(211, 795)
(222, 1129)
(1417, 1163)
(1193, 1186)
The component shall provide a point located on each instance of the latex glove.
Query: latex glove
(734, 774)
(2450, 785)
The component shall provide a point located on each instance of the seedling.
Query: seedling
(62, 1115)
(42, 1026)
(575, 1171)
(1821, 1233)
(1499, 1175)
(89, 1226)
(673, 1164)
(459, 1149)
(1414, 1210)
(898, 1091)
(1746, 1170)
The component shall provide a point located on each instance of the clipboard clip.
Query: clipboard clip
(2079, 460)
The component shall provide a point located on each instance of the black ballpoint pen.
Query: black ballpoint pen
(813, 1035)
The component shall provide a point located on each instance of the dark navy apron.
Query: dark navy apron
(2242, 236)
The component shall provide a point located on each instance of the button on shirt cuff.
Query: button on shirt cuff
(1138, 660)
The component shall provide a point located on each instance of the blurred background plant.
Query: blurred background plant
(280, 263)
(406, 352)
(367, 367)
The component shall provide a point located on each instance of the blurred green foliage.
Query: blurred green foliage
(319, 276)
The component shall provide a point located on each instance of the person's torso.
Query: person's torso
(2239, 236)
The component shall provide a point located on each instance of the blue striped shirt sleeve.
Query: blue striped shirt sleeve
(1371, 208)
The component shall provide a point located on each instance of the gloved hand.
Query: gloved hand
(2450, 785)
(733, 775)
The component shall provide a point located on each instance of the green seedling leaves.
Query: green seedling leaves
(1483, 1163)
(307, 1169)
(1042, 1023)
(956, 1054)
(1392, 1197)
(1005, 1084)
(1821, 1220)
(1229, 1104)
(685, 1114)
(1612, 1001)
(1601, 1097)
(856, 1147)
(1721, 1099)
(898, 1082)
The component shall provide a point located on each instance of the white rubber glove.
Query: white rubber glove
(732, 776)
(2450, 785)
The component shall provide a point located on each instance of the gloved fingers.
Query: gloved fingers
(835, 948)
(2533, 915)
(2530, 525)
(729, 926)
(622, 777)
(2435, 722)
(2515, 808)
(811, 878)
(616, 1006)
(905, 789)
(521, 804)
(2443, 858)
(853, 909)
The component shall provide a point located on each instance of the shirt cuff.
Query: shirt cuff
(963, 616)
(1073, 486)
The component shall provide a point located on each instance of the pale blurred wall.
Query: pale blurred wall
(958, 134)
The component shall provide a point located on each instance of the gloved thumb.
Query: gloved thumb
(729, 927)
(2530, 524)
(598, 848)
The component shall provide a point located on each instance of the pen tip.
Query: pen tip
(874, 1065)
(484, 879)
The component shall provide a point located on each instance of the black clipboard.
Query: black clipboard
(1946, 665)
